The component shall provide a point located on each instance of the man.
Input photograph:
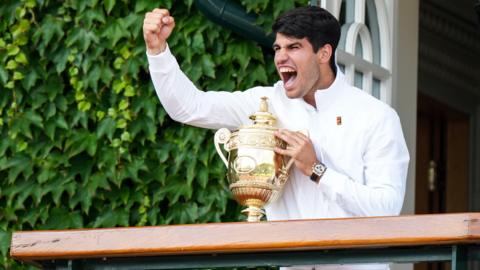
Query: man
(354, 161)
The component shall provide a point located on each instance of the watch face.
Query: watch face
(319, 168)
(317, 172)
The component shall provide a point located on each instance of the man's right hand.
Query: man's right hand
(157, 27)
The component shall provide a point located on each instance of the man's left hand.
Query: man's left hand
(299, 147)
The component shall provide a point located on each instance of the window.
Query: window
(364, 52)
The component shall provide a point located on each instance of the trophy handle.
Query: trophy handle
(221, 137)
(289, 164)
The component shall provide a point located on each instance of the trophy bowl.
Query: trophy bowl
(256, 174)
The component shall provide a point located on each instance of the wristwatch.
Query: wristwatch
(318, 169)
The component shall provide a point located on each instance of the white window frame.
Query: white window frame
(355, 30)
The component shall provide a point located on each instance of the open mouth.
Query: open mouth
(288, 76)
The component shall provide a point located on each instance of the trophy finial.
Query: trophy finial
(264, 104)
(263, 116)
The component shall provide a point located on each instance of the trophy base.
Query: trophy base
(253, 211)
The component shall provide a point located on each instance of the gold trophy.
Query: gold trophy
(256, 173)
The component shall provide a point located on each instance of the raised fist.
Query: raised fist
(157, 27)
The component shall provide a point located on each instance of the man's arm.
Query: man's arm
(179, 96)
(187, 104)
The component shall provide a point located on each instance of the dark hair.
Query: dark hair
(316, 24)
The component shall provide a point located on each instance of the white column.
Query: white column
(405, 23)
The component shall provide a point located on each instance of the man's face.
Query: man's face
(297, 65)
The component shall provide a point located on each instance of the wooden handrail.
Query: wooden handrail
(240, 237)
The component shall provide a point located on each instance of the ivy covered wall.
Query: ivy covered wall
(84, 140)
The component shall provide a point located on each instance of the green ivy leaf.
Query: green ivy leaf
(18, 75)
(133, 168)
(108, 4)
(123, 104)
(34, 118)
(45, 175)
(239, 52)
(5, 238)
(62, 218)
(144, 5)
(5, 144)
(115, 31)
(198, 43)
(30, 79)
(106, 74)
(84, 106)
(23, 123)
(11, 64)
(50, 27)
(145, 124)
(61, 123)
(183, 213)
(35, 215)
(16, 165)
(3, 75)
(106, 126)
(12, 49)
(21, 58)
(50, 128)
(177, 190)
(208, 66)
(129, 91)
(112, 218)
(81, 37)
(81, 141)
(191, 165)
(259, 75)
(282, 6)
(60, 59)
(202, 176)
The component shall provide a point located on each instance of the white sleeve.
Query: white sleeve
(385, 163)
(187, 104)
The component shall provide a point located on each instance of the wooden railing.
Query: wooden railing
(416, 238)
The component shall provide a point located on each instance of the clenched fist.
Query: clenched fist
(157, 27)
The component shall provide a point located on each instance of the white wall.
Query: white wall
(404, 97)
(405, 23)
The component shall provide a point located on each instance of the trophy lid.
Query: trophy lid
(263, 117)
